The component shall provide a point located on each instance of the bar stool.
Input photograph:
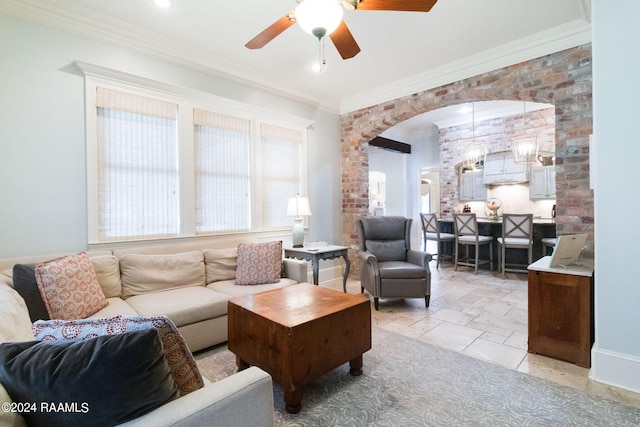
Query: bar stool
(548, 242)
(431, 231)
(466, 233)
(517, 233)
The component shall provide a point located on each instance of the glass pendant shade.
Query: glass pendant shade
(475, 154)
(525, 148)
(319, 17)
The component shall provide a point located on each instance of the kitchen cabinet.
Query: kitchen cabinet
(542, 184)
(561, 311)
(499, 168)
(472, 187)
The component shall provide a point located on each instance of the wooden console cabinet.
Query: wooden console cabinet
(561, 311)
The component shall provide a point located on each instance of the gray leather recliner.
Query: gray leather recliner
(390, 268)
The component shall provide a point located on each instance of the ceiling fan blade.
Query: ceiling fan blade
(271, 32)
(344, 41)
(399, 5)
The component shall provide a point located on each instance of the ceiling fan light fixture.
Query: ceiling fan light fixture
(319, 17)
(163, 3)
(350, 4)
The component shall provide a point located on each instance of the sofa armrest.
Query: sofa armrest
(295, 269)
(243, 399)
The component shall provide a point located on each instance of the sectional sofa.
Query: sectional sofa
(189, 285)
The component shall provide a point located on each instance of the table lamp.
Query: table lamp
(298, 207)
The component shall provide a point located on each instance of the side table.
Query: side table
(561, 311)
(316, 254)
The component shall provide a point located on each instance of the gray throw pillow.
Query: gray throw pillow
(24, 282)
(102, 381)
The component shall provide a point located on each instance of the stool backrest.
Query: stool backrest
(465, 224)
(429, 223)
(517, 225)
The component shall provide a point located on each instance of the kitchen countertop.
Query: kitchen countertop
(536, 220)
(579, 268)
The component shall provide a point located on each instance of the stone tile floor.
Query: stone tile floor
(483, 316)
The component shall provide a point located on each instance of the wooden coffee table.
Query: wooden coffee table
(299, 333)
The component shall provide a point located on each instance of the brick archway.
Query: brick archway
(562, 79)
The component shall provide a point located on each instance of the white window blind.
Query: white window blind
(282, 171)
(137, 166)
(165, 161)
(222, 157)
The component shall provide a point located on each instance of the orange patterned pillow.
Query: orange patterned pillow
(259, 263)
(69, 287)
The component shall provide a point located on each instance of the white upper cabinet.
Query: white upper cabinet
(543, 183)
(472, 187)
(499, 168)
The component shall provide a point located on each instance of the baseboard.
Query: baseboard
(326, 274)
(616, 369)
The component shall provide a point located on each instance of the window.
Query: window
(281, 163)
(223, 185)
(170, 162)
(137, 166)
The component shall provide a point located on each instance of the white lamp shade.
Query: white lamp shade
(298, 206)
(319, 17)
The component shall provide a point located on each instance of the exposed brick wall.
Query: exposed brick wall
(497, 133)
(563, 79)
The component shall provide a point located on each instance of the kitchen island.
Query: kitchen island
(542, 227)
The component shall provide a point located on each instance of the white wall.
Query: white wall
(403, 172)
(425, 153)
(392, 164)
(616, 67)
(42, 144)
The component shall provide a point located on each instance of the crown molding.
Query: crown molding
(95, 26)
(563, 37)
(86, 23)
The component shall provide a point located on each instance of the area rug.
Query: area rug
(407, 382)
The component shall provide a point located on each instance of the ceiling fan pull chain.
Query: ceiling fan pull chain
(322, 62)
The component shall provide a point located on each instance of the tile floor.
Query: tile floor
(483, 316)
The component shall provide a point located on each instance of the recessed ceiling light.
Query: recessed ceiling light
(162, 3)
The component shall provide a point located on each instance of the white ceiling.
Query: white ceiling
(402, 52)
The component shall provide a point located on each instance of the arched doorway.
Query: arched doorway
(568, 88)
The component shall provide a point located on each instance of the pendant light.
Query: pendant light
(475, 152)
(524, 146)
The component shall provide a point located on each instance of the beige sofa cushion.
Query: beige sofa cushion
(230, 287)
(220, 264)
(107, 269)
(116, 307)
(143, 274)
(183, 306)
(15, 324)
(9, 418)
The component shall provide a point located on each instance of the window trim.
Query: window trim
(187, 99)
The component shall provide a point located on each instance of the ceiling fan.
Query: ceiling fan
(324, 17)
